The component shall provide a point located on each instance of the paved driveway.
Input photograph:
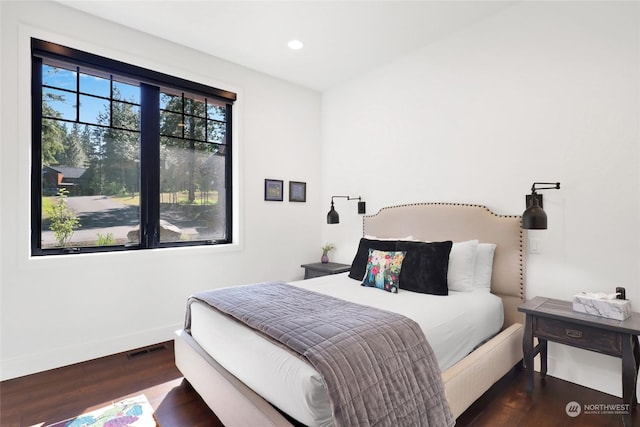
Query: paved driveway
(97, 214)
(84, 204)
(103, 214)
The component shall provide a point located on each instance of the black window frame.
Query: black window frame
(151, 83)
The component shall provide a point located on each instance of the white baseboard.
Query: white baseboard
(68, 355)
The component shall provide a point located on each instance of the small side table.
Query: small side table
(554, 320)
(318, 269)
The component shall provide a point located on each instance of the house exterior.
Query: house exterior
(75, 180)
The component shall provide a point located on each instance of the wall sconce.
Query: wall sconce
(334, 218)
(534, 218)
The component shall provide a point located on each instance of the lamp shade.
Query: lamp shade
(534, 217)
(332, 216)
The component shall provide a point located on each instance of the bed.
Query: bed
(466, 376)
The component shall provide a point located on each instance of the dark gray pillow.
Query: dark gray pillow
(425, 267)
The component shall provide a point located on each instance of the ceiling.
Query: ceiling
(342, 39)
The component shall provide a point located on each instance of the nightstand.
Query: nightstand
(318, 269)
(554, 320)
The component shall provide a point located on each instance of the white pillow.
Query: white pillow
(461, 266)
(483, 266)
(369, 237)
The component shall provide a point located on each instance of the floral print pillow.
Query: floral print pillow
(383, 270)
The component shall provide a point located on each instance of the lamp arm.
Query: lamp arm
(554, 186)
(345, 197)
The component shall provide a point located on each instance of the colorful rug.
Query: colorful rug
(133, 412)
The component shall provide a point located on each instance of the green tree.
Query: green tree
(92, 138)
(73, 154)
(116, 149)
(53, 134)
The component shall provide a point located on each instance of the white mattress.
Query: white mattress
(454, 325)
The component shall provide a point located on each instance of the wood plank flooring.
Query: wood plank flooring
(48, 397)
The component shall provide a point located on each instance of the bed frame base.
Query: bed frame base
(230, 399)
(468, 379)
(235, 404)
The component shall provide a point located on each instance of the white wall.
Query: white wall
(60, 310)
(544, 91)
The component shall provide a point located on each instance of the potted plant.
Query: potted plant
(325, 252)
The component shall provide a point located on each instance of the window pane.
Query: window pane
(94, 184)
(171, 124)
(195, 107)
(192, 191)
(216, 132)
(126, 92)
(95, 85)
(195, 128)
(126, 116)
(94, 110)
(171, 102)
(217, 112)
(58, 104)
(58, 77)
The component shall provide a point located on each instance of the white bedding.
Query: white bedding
(454, 325)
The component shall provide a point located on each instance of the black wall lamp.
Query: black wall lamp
(334, 218)
(534, 217)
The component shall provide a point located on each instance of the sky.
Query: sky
(93, 90)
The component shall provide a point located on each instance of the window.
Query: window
(125, 157)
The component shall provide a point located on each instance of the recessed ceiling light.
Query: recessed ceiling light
(295, 44)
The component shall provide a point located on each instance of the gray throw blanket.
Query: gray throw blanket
(378, 366)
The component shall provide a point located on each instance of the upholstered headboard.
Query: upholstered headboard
(460, 222)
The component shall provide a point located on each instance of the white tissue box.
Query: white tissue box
(618, 309)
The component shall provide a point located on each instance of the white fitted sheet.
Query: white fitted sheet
(454, 325)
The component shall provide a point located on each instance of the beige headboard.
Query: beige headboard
(460, 222)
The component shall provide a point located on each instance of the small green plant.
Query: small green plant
(106, 240)
(328, 248)
(63, 220)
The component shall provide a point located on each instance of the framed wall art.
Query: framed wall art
(297, 191)
(273, 190)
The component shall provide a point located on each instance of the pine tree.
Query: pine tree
(53, 134)
(74, 154)
(118, 150)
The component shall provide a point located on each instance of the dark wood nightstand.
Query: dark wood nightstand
(318, 269)
(554, 320)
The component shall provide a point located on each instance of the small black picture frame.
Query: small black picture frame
(273, 190)
(297, 191)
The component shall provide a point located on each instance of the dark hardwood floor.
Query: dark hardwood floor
(48, 397)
